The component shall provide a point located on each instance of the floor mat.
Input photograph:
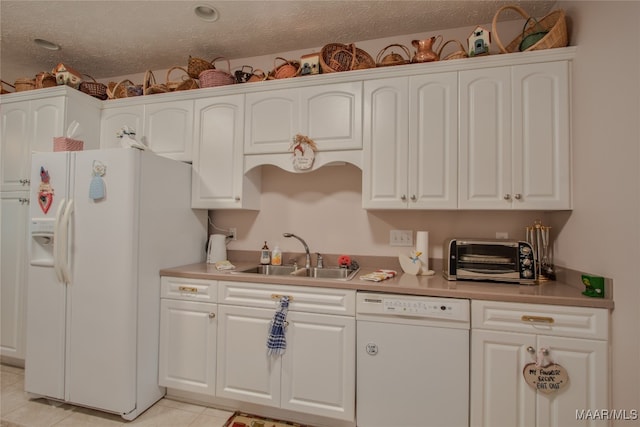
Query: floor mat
(241, 419)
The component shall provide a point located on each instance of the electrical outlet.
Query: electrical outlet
(233, 233)
(401, 238)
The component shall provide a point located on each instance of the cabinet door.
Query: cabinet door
(541, 157)
(331, 116)
(245, 372)
(485, 139)
(15, 154)
(168, 129)
(13, 276)
(318, 367)
(499, 394)
(433, 141)
(48, 121)
(115, 118)
(187, 359)
(219, 181)
(385, 148)
(586, 362)
(272, 120)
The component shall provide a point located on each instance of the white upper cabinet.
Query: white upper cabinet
(514, 137)
(219, 181)
(328, 114)
(410, 142)
(165, 127)
(30, 121)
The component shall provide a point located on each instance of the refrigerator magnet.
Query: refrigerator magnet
(45, 191)
(96, 187)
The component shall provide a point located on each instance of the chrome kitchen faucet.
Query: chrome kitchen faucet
(307, 263)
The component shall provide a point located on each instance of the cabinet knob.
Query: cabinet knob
(413, 198)
(237, 199)
(403, 198)
(531, 350)
(212, 315)
(518, 196)
(507, 197)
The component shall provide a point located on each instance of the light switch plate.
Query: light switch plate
(401, 238)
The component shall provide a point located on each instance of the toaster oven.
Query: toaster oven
(498, 260)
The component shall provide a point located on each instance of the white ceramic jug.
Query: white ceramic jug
(217, 250)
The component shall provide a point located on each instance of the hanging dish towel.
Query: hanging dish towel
(277, 342)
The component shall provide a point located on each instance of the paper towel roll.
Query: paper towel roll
(422, 245)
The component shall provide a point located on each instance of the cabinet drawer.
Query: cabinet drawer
(189, 289)
(303, 298)
(576, 322)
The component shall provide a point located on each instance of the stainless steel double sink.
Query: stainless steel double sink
(334, 273)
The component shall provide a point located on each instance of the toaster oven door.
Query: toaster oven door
(487, 261)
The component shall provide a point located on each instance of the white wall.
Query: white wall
(602, 234)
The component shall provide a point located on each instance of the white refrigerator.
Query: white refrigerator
(103, 223)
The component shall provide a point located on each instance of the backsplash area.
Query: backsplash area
(325, 208)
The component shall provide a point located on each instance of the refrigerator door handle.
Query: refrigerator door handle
(57, 240)
(65, 268)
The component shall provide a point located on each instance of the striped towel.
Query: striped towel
(277, 342)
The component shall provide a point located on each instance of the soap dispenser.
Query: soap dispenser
(276, 258)
(265, 256)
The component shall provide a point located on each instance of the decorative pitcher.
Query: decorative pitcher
(426, 49)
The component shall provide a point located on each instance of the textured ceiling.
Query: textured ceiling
(114, 38)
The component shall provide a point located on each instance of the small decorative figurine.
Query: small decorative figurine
(479, 41)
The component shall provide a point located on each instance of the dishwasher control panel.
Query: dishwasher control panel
(414, 306)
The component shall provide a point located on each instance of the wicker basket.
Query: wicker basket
(197, 66)
(187, 82)
(285, 71)
(458, 54)
(123, 89)
(336, 57)
(554, 24)
(44, 79)
(3, 90)
(24, 84)
(215, 77)
(257, 76)
(393, 58)
(93, 88)
(150, 86)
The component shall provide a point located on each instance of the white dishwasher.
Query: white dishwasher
(412, 361)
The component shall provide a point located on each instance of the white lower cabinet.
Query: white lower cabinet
(316, 374)
(188, 335)
(505, 337)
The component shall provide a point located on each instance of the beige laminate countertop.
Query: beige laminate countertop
(551, 292)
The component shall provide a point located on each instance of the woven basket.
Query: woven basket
(336, 57)
(285, 71)
(44, 79)
(150, 86)
(257, 76)
(215, 77)
(187, 82)
(95, 89)
(3, 90)
(393, 58)
(458, 54)
(554, 24)
(197, 66)
(123, 89)
(24, 84)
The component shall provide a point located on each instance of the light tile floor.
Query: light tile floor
(16, 410)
